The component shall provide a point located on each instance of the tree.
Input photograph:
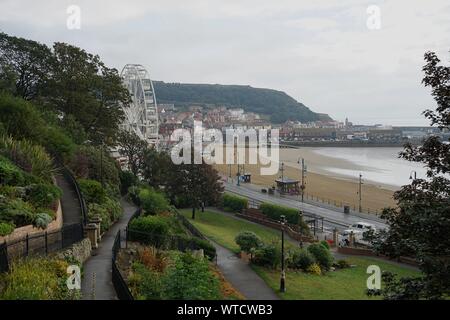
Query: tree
(420, 226)
(202, 184)
(133, 148)
(82, 86)
(25, 66)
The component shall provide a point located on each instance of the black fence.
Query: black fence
(4, 264)
(121, 287)
(190, 226)
(40, 243)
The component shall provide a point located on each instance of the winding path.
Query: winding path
(241, 276)
(96, 283)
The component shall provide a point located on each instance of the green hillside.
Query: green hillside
(275, 104)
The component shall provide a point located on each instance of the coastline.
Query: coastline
(343, 192)
(320, 183)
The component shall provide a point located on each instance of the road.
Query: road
(332, 218)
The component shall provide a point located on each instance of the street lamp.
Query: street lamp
(413, 174)
(360, 192)
(283, 273)
(300, 220)
(303, 169)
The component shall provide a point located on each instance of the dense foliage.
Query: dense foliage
(292, 216)
(275, 104)
(247, 241)
(47, 276)
(234, 203)
(420, 225)
(65, 80)
(153, 202)
(177, 276)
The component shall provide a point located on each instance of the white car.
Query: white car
(362, 226)
(358, 229)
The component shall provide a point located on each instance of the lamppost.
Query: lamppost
(303, 169)
(300, 220)
(238, 176)
(360, 192)
(283, 273)
(413, 174)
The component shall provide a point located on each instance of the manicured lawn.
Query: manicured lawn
(345, 284)
(341, 284)
(223, 229)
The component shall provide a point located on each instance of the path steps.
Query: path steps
(70, 205)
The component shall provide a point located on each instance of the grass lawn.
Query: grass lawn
(223, 229)
(341, 284)
(346, 284)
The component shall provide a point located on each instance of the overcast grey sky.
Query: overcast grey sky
(320, 52)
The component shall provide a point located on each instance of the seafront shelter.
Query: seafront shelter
(288, 186)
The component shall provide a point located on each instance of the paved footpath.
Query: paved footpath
(96, 283)
(241, 276)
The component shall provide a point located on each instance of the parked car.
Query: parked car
(362, 226)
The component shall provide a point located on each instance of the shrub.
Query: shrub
(189, 278)
(89, 163)
(302, 259)
(92, 190)
(42, 220)
(152, 230)
(342, 264)
(133, 195)
(12, 192)
(153, 202)
(322, 255)
(275, 212)
(42, 194)
(28, 156)
(325, 244)
(56, 142)
(6, 228)
(235, 203)
(153, 259)
(127, 180)
(314, 269)
(247, 240)
(37, 279)
(144, 283)
(20, 118)
(10, 174)
(95, 209)
(113, 207)
(16, 211)
(267, 255)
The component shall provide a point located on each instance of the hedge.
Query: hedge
(235, 203)
(274, 212)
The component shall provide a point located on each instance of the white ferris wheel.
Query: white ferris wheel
(141, 115)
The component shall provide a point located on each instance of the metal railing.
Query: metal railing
(120, 285)
(40, 243)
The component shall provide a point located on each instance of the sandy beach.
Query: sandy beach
(320, 184)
